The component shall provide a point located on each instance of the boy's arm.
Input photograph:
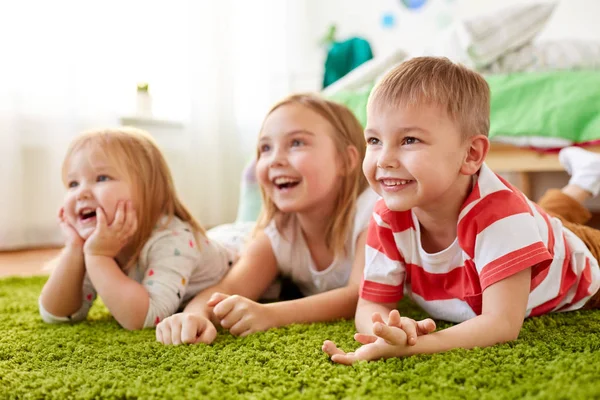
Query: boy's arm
(62, 293)
(126, 299)
(504, 307)
(364, 313)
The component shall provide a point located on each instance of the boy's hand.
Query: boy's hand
(185, 328)
(72, 238)
(414, 328)
(108, 240)
(240, 315)
(390, 340)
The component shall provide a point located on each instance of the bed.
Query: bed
(506, 158)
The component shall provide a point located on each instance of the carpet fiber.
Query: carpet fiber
(556, 356)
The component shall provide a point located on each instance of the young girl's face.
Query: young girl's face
(92, 181)
(298, 165)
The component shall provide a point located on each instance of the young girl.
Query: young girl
(129, 238)
(316, 208)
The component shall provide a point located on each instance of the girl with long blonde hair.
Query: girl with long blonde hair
(316, 208)
(129, 238)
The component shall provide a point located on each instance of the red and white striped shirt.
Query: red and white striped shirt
(500, 232)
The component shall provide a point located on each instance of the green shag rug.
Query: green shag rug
(556, 357)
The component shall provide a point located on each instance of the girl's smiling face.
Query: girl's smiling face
(298, 165)
(92, 181)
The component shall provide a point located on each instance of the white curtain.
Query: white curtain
(215, 66)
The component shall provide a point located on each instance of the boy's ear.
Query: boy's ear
(477, 149)
(353, 155)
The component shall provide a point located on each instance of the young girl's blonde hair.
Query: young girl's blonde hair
(348, 132)
(133, 152)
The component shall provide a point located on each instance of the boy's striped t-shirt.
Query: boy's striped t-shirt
(500, 233)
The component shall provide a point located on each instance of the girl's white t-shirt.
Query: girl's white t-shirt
(294, 259)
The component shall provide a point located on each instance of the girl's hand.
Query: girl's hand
(185, 328)
(108, 240)
(390, 340)
(72, 238)
(240, 315)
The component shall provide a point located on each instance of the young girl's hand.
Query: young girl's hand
(390, 340)
(108, 240)
(186, 328)
(239, 314)
(72, 238)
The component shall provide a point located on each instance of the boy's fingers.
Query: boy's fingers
(346, 359)
(425, 326)
(393, 336)
(394, 318)
(364, 338)
(376, 317)
(331, 349)
(409, 326)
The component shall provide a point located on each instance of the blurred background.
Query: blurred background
(200, 76)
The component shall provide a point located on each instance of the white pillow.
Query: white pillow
(479, 41)
(549, 55)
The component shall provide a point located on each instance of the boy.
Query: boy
(466, 245)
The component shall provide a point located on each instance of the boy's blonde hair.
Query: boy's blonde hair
(133, 152)
(348, 132)
(437, 81)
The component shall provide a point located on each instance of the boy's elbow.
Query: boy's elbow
(509, 330)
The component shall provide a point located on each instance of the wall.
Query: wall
(572, 18)
(414, 29)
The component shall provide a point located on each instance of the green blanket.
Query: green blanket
(560, 104)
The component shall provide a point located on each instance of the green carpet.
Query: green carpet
(556, 357)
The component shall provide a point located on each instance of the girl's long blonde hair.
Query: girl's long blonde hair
(135, 153)
(348, 132)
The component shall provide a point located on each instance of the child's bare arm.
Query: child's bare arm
(504, 308)
(62, 294)
(126, 299)
(364, 314)
(248, 279)
(327, 306)
(503, 313)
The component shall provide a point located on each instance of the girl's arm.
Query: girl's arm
(249, 277)
(126, 299)
(327, 306)
(62, 294)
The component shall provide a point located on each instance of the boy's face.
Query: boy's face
(414, 156)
